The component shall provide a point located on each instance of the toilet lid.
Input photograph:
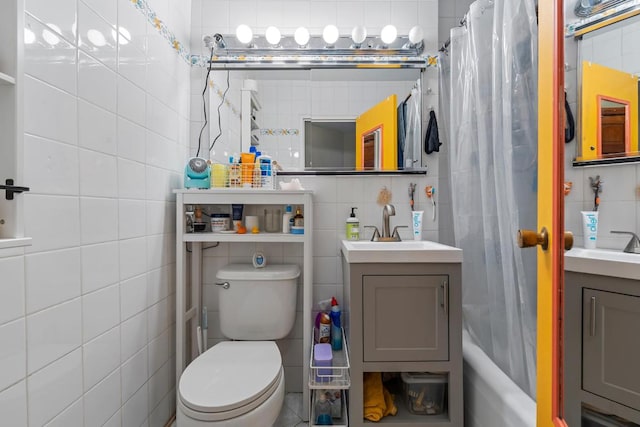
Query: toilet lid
(230, 375)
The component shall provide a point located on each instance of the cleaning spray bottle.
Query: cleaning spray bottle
(336, 329)
(322, 330)
(353, 226)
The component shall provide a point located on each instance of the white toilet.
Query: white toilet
(241, 383)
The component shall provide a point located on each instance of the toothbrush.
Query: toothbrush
(412, 190)
(430, 191)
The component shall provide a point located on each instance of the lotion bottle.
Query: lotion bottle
(286, 219)
(353, 226)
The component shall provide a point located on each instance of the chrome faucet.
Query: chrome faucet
(633, 247)
(387, 211)
(387, 236)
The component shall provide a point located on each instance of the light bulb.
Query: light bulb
(359, 34)
(330, 34)
(416, 34)
(125, 35)
(49, 36)
(388, 34)
(301, 36)
(29, 36)
(244, 34)
(272, 34)
(96, 38)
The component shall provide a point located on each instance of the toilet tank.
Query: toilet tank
(260, 303)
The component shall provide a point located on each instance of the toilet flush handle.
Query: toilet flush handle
(225, 285)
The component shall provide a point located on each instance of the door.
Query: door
(610, 348)
(550, 211)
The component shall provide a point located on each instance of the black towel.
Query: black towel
(432, 139)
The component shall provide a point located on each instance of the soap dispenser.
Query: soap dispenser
(353, 226)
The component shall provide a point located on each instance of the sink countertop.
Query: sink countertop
(408, 251)
(604, 262)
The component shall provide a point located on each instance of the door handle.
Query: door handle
(12, 189)
(592, 320)
(529, 238)
(445, 296)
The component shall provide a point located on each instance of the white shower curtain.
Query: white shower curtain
(491, 114)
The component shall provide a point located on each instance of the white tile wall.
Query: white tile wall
(74, 310)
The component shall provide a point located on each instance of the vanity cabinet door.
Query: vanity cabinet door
(405, 318)
(611, 346)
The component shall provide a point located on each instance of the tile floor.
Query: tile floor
(291, 413)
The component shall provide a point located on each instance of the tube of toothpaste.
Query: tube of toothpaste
(590, 228)
(416, 220)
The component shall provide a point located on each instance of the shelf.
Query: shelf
(339, 377)
(254, 101)
(254, 124)
(6, 79)
(240, 238)
(338, 422)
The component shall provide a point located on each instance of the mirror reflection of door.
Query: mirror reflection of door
(371, 147)
(613, 129)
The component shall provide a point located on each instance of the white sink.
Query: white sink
(605, 262)
(423, 251)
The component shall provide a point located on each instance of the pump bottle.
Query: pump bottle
(353, 226)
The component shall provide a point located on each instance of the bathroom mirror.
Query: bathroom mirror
(608, 94)
(304, 116)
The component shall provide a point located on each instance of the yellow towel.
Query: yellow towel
(388, 400)
(373, 396)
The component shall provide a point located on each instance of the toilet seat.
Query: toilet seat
(230, 379)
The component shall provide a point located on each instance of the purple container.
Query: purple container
(322, 356)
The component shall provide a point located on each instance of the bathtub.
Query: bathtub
(490, 397)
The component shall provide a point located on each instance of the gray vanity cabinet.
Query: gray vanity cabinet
(602, 346)
(611, 346)
(405, 317)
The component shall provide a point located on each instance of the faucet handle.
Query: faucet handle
(633, 246)
(395, 233)
(376, 233)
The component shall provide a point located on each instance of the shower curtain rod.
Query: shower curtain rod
(445, 46)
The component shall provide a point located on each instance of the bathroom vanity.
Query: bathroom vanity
(602, 320)
(404, 314)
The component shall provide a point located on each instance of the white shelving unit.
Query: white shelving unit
(250, 126)
(334, 379)
(189, 274)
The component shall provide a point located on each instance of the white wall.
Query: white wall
(87, 313)
(333, 195)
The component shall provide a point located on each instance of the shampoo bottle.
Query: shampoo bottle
(336, 329)
(286, 219)
(353, 226)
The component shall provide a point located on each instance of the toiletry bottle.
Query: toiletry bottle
(298, 218)
(323, 411)
(235, 179)
(336, 329)
(322, 332)
(286, 219)
(353, 226)
(266, 171)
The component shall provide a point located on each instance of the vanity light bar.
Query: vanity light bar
(229, 53)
